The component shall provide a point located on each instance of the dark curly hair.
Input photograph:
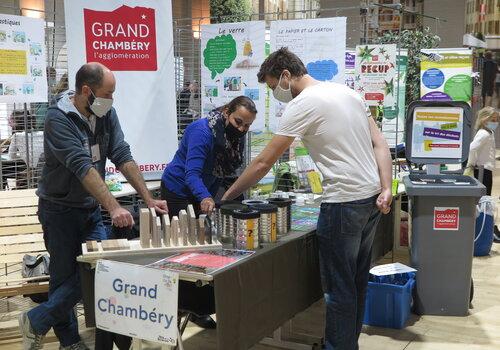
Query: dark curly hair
(278, 61)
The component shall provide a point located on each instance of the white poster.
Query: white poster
(376, 74)
(350, 73)
(134, 39)
(22, 60)
(445, 75)
(393, 121)
(437, 132)
(231, 57)
(319, 43)
(136, 301)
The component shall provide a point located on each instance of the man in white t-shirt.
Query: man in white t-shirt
(353, 157)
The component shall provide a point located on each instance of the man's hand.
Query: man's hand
(207, 205)
(158, 205)
(121, 217)
(384, 201)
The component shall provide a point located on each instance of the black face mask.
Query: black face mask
(233, 133)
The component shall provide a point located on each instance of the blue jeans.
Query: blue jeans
(345, 236)
(64, 230)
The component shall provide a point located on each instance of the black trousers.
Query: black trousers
(199, 301)
(177, 203)
(487, 179)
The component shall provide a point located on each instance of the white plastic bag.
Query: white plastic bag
(486, 205)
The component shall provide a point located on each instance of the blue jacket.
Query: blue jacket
(189, 174)
(67, 147)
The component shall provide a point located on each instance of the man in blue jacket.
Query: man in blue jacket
(81, 131)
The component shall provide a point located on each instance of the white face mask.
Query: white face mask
(282, 95)
(101, 105)
(492, 125)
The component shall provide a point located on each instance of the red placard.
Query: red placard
(123, 39)
(447, 219)
(374, 96)
(203, 260)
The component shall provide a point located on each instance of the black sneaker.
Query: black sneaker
(205, 322)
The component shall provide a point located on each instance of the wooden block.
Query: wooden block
(144, 228)
(193, 225)
(156, 233)
(201, 229)
(92, 246)
(152, 223)
(166, 230)
(174, 231)
(183, 227)
(124, 244)
(114, 244)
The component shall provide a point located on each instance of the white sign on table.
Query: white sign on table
(22, 60)
(137, 301)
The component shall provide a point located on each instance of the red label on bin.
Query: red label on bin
(123, 39)
(446, 219)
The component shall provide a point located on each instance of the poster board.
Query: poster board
(376, 74)
(350, 64)
(23, 76)
(393, 118)
(134, 39)
(448, 79)
(319, 43)
(136, 301)
(231, 57)
(437, 133)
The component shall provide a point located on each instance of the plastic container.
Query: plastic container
(267, 222)
(484, 235)
(284, 214)
(247, 229)
(227, 224)
(389, 300)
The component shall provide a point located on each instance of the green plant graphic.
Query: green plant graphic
(219, 54)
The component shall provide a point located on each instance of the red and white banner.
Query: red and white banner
(446, 219)
(124, 35)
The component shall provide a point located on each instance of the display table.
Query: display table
(253, 298)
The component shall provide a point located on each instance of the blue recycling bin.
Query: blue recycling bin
(389, 300)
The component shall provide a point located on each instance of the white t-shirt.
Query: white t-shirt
(332, 121)
(482, 150)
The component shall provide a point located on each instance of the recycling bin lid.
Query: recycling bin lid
(449, 185)
(438, 132)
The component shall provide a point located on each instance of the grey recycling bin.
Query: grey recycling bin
(442, 207)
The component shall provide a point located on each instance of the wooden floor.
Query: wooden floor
(479, 331)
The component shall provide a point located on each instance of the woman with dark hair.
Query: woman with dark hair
(210, 150)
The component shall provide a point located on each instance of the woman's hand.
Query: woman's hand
(207, 205)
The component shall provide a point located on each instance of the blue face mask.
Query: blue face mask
(492, 125)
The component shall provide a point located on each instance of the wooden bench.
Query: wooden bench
(20, 234)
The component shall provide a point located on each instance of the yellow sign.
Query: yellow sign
(314, 182)
(13, 62)
(427, 145)
(449, 126)
(274, 219)
(438, 117)
(250, 229)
